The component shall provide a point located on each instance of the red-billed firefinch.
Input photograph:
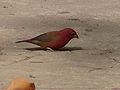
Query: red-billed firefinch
(54, 39)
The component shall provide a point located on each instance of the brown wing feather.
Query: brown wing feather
(46, 37)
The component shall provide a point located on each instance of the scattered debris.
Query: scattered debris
(84, 34)
(63, 12)
(2, 53)
(5, 7)
(116, 60)
(35, 62)
(97, 25)
(31, 76)
(23, 27)
(11, 14)
(74, 19)
(88, 30)
(94, 69)
(17, 61)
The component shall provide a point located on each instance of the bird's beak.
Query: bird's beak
(76, 36)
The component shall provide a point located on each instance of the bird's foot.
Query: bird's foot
(50, 49)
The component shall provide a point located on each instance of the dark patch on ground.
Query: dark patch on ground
(61, 49)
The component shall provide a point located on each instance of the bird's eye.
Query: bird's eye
(72, 33)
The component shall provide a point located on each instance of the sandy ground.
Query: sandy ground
(89, 63)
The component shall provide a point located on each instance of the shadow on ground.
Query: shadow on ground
(61, 49)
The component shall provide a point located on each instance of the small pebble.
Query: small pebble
(31, 76)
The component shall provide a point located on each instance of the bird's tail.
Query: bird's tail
(24, 41)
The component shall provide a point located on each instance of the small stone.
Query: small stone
(5, 7)
(88, 30)
(31, 76)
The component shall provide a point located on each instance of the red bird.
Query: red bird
(54, 39)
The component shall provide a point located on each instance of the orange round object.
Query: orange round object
(21, 84)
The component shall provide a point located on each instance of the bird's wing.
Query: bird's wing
(47, 37)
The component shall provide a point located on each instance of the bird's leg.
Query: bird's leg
(50, 49)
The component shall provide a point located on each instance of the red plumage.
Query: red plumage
(54, 39)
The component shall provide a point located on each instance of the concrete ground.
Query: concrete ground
(91, 62)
